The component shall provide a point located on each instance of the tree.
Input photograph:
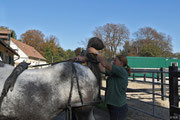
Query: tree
(114, 36)
(62, 54)
(128, 49)
(13, 34)
(51, 49)
(70, 54)
(34, 38)
(65, 54)
(177, 55)
(149, 42)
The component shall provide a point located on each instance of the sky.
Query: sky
(73, 21)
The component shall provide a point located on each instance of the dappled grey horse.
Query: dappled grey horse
(41, 94)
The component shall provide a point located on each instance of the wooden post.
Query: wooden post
(163, 81)
(133, 76)
(144, 77)
(157, 76)
(173, 92)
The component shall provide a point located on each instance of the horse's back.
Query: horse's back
(46, 90)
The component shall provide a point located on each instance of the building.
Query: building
(7, 53)
(5, 35)
(27, 53)
(19, 51)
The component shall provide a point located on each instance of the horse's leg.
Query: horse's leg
(84, 113)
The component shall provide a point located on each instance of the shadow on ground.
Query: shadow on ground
(99, 114)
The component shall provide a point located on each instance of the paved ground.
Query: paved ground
(99, 114)
(102, 114)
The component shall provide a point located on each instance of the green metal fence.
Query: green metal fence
(151, 62)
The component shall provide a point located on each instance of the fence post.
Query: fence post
(157, 76)
(133, 76)
(173, 91)
(163, 82)
(144, 77)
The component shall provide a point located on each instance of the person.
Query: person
(90, 61)
(116, 84)
(78, 51)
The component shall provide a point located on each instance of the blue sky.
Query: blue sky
(73, 21)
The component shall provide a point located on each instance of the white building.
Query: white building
(26, 53)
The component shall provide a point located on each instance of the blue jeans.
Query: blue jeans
(118, 113)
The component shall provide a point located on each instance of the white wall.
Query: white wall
(23, 56)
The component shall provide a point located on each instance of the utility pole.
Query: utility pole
(52, 59)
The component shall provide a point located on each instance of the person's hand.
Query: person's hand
(80, 58)
(92, 50)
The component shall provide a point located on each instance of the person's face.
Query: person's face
(117, 62)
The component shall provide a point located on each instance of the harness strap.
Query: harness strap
(77, 80)
(72, 84)
(68, 107)
(74, 75)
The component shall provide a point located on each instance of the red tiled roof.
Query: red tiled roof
(5, 31)
(28, 50)
(3, 36)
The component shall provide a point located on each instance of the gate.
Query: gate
(173, 92)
